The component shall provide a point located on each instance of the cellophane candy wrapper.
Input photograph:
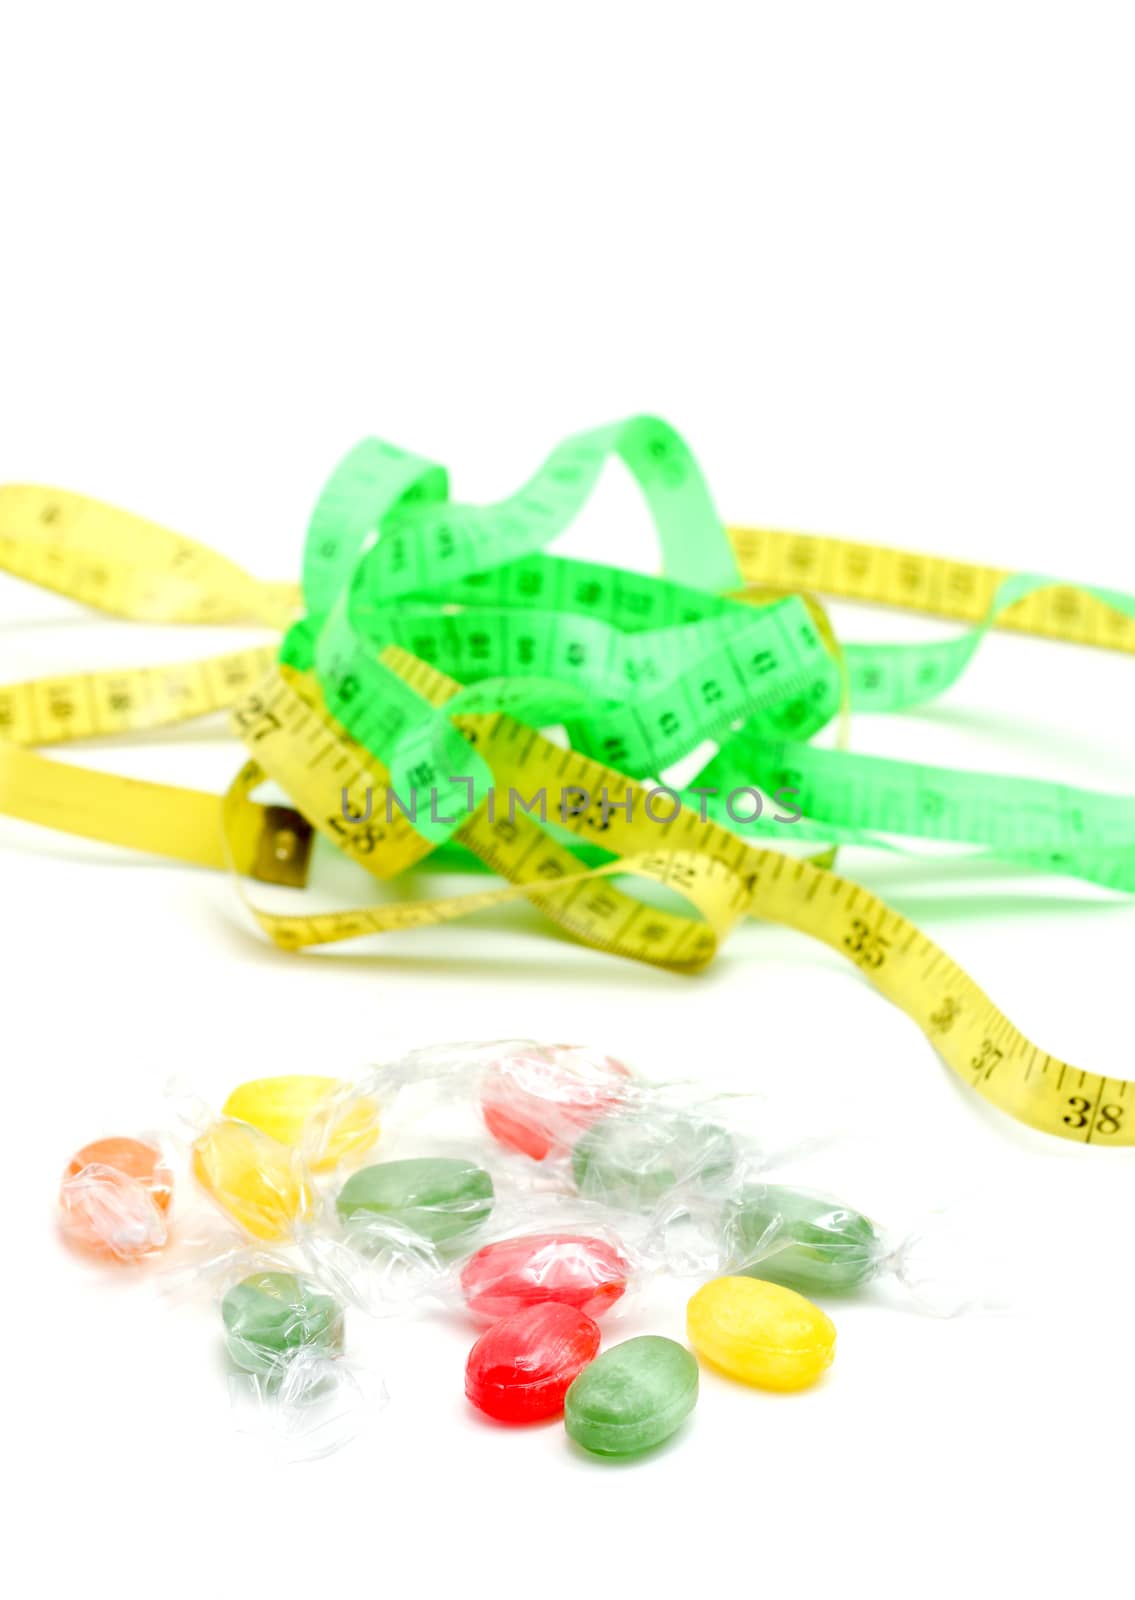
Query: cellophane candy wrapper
(566, 1117)
(114, 1199)
(404, 1197)
(638, 1152)
(442, 1184)
(263, 1188)
(573, 1106)
(425, 1160)
(531, 1250)
(291, 1380)
(396, 1217)
(327, 1120)
(531, 1100)
(398, 1231)
(314, 1407)
(567, 1255)
(540, 1099)
(821, 1246)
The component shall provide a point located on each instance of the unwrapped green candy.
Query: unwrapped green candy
(632, 1396)
(436, 1197)
(270, 1315)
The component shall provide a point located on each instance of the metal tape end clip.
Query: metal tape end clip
(283, 850)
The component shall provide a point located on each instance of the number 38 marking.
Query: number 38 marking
(1079, 1115)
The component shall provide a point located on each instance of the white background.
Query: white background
(876, 262)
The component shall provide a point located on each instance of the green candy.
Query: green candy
(632, 1396)
(802, 1241)
(436, 1197)
(634, 1159)
(271, 1314)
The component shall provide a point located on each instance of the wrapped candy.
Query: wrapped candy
(538, 1099)
(568, 1118)
(325, 1119)
(533, 1099)
(437, 1199)
(470, 1255)
(813, 1244)
(269, 1315)
(633, 1156)
(559, 1226)
(114, 1199)
(262, 1185)
(586, 1272)
(532, 1188)
(257, 1161)
(802, 1240)
(292, 1381)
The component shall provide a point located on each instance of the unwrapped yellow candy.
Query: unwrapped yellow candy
(760, 1333)
(260, 1183)
(318, 1115)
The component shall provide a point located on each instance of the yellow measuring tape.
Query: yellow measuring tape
(956, 591)
(130, 568)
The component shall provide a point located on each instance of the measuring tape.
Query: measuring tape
(435, 640)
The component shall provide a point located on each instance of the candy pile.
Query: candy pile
(590, 1181)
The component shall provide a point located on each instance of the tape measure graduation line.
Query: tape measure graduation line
(958, 591)
(641, 669)
(266, 842)
(298, 745)
(88, 705)
(126, 566)
(724, 878)
(269, 842)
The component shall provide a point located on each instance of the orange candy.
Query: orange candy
(115, 1197)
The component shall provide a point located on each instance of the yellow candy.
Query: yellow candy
(260, 1183)
(303, 1110)
(760, 1333)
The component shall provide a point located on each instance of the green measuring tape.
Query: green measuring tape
(642, 671)
(436, 640)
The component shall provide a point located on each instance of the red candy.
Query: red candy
(540, 1102)
(520, 1369)
(571, 1269)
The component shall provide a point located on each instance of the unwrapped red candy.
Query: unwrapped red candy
(520, 1369)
